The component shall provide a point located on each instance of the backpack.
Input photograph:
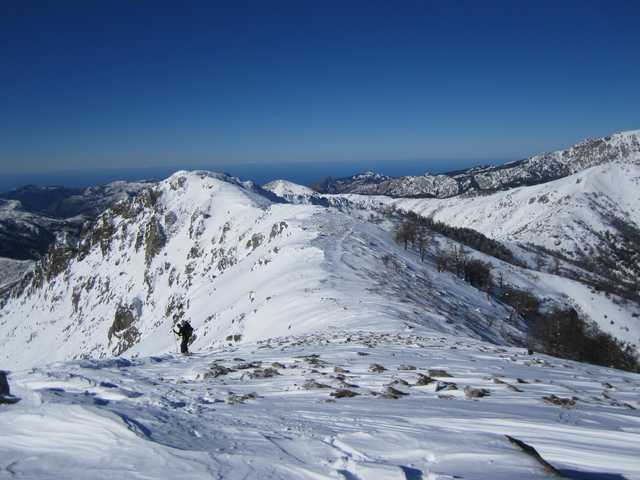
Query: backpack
(187, 329)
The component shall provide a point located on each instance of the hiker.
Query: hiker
(184, 330)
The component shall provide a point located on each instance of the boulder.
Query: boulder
(343, 393)
(470, 392)
(424, 380)
(376, 368)
(561, 402)
(5, 392)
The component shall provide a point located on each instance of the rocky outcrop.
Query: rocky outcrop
(123, 333)
(5, 392)
(154, 240)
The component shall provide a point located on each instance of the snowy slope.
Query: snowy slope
(568, 211)
(560, 215)
(265, 411)
(219, 252)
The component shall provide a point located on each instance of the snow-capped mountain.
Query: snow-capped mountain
(619, 147)
(242, 267)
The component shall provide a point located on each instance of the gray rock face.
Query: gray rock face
(123, 333)
(5, 393)
(534, 170)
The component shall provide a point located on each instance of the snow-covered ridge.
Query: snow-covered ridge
(240, 266)
(620, 147)
(573, 216)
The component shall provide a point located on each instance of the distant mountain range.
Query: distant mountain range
(624, 146)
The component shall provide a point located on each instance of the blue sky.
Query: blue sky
(139, 84)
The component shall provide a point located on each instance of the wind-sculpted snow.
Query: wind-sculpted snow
(620, 147)
(221, 253)
(417, 407)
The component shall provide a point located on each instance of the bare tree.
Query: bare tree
(424, 238)
(406, 233)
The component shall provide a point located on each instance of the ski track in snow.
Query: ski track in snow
(168, 416)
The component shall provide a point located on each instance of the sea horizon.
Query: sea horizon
(303, 173)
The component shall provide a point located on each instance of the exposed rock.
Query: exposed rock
(470, 392)
(246, 366)
(445, 386)
(314, 360)
(343, 393)
(216, 371)
(376, 368)
(344, 384)
(170, 219)
(155, 240)
(561, 402)
(255, 241)
(406, 367)
(277, 229)
(393, 393)
(234, 399)
(400, 381)
(123, 332)
(446, 397)
(532, 452)
(438, 373)
(5, 392)
(313, 385)
(424, 380)
(263, 373)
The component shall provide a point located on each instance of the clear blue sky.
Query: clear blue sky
(137, 83)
